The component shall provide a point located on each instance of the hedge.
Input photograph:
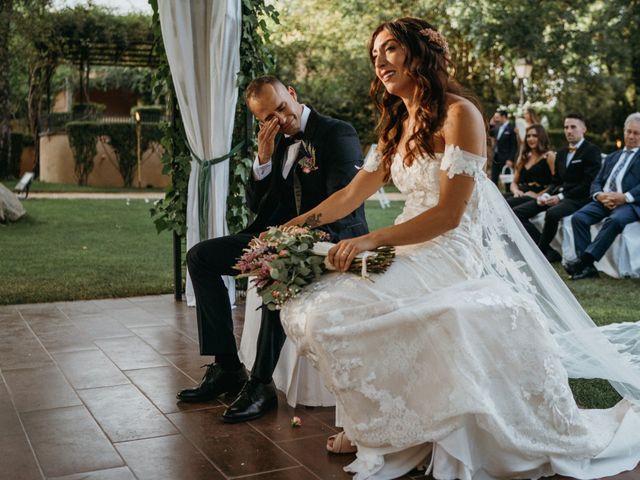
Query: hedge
(83, 137)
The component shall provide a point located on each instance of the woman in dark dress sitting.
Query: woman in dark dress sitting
(534, 168)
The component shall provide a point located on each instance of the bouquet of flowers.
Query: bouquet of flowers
(285, 259)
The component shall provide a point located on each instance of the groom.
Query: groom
(303, 157)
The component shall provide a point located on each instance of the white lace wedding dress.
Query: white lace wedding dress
(449, 358)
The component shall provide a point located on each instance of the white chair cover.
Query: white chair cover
(294, 375)
(621, 260)
(623, 257)
(202, 41)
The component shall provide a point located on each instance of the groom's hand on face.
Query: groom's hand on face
(266, 139)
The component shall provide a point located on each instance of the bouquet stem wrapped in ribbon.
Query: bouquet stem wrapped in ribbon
(285, 259)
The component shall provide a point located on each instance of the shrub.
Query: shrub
(122, 138)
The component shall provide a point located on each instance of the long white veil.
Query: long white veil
(611, 352)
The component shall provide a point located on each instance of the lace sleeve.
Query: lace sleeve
(458, 162)
(372, 161)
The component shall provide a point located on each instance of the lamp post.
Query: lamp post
(138, 150)
(523, 71)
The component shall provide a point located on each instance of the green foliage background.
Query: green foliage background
(584, 54)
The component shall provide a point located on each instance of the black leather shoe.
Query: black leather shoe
(255, 399)
(587, 272)
(574, 266)
(214, 383)
(552, 256)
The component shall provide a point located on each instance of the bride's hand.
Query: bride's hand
(342, 254)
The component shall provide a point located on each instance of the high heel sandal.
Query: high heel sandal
(340, 443)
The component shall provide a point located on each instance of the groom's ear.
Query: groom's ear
(292, 92)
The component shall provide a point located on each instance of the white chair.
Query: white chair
(294, 375)
(621, 260)
(623, 257)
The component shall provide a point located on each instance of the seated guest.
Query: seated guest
(576, 166)
(534, 167)
(529, 117)
(615, 197)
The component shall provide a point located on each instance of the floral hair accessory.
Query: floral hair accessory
(436, 38)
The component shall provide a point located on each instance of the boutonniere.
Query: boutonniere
(308, 160)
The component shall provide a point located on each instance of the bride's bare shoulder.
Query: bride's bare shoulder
(461, 109)
(464, 125)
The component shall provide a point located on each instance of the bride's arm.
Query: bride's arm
(464, 128)
(344, 201)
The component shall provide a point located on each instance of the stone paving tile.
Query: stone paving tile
(311, 452)
(277, 425)
(135, 316)
(296, 473)
(89, 369)
(125, 414)
(167, 458)
(40, 388)
(68, 440)
(161, 384)
(126, 360)
(17, 461)
(165, 339)
(130, 353)
(122, 473)
(235, 449)
(81, 307)
(191, 363)
(68, 338)
(101, 325)
(19, 347)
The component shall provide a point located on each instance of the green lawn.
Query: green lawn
(37, 186)
(83, 249)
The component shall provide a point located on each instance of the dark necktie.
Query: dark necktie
(613, 186)
(290, 140)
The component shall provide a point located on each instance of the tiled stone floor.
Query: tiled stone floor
(87, 391)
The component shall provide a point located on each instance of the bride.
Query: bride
(458, 357)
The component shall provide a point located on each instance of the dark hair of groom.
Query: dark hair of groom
(255, 87)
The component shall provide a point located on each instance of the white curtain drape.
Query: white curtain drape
(202, 42)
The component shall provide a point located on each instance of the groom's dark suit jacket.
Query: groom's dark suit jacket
(273, 199)
(574, 180)
(337, 155)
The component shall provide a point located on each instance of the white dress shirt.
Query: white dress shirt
(501, 130)
(570, 155)
(262, 171)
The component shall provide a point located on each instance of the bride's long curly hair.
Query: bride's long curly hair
(427, 63)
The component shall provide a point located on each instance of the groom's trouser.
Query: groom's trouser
(207, 262)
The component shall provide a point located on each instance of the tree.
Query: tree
(6, 12)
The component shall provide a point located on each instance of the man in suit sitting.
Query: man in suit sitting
(576, 167)
(505, 147)
(615, 195)
(303, 157)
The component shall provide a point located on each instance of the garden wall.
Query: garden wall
(57, 165)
